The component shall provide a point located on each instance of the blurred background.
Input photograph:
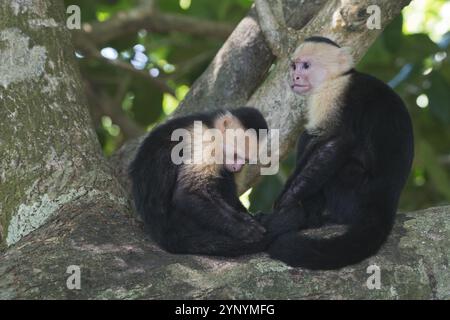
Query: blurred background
(138, 78)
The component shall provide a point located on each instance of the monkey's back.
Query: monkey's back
(381, 124)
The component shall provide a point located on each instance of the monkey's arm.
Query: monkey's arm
(211, 213)
(304, 146)
(321, 165)
(239, 223)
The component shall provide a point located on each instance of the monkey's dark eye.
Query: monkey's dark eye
(293, 66)
(305, 65)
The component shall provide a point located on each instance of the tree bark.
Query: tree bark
(117, 262)
(61, 205)
(51, 158)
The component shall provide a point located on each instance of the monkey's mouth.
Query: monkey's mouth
(300, 88)
(237, 164)
(234, 167)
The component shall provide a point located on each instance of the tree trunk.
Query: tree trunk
(51, 158)
(61, 205)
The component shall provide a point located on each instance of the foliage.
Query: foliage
(404, 56)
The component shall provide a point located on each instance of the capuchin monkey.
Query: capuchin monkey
(353, 160)
(193, 208)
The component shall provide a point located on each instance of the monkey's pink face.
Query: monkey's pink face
(306, 74)
(236, 165)
(235, 158)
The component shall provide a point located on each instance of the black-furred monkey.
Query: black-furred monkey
(194, 207)
(352, 161)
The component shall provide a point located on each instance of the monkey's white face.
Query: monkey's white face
(314, 63)
(237, 160)
(239, 144)
(239, 148)
(306, 74)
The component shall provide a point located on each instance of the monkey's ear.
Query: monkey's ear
(346, 58)
(224, 122)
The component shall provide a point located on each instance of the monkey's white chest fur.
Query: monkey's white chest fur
(325, 103)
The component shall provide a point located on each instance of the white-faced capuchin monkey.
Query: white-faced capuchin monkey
(194, 208)
(352, 163)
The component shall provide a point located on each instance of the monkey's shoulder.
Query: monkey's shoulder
(369, 97)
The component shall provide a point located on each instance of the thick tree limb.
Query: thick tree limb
(117, 261)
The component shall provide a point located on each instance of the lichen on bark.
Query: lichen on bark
(18, 62)
(50, 153)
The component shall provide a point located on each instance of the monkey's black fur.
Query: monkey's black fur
(205, 217)
(322, 40)
(354, 172)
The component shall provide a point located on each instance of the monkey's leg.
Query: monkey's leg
(216, 215)
(212, 233)
(286, 219)
(314, 207)
(296, 216)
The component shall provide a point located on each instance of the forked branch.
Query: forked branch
(272, 22)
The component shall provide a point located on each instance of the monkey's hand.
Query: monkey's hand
(284, 202)
(238, 223)
(247, 229)
(288, 218)
(261, 216)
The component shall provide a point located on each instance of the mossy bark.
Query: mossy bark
(50, 155)
(117, 261)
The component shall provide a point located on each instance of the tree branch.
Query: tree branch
(112, 107)
(147, 18)
(117, 261)
(273, 25)
(158, 83)
(189, 65)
